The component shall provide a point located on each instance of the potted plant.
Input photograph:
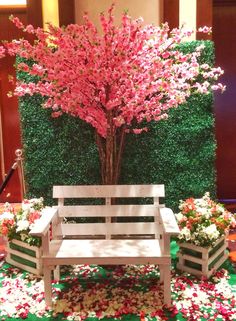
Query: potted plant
(204, 225)
(23, 250)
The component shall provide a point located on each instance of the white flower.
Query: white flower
(25, 206)
(179, 217)
(8, 309)
(200, 48)
(211, 231)
(185, 234)
(203, 211)
(6, 215)
(220, 208)
(206, 196)
(7, 206)
(197, 296)
(184, 303)
(22, 225)
(36, 201)
(223, 288)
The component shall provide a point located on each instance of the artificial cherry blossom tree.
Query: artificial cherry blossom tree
(116, 81)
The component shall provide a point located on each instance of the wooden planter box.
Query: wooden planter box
(24, 256)
(202, 261)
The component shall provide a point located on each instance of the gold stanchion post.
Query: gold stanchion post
(19, 165)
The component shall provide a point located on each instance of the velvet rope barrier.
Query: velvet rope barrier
(16, 165)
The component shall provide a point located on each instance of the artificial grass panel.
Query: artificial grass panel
(178, 152)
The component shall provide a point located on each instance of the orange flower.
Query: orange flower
(4, 230)
(189, 205)
(34, 216)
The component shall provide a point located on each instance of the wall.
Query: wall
(50, 12)
(10, 127)
(224, 36)
(150, 10)
(188, 15)
(195, 13)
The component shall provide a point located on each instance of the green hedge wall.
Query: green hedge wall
(179, 152)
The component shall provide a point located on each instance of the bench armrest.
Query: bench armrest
(42, 225)
(169, 221)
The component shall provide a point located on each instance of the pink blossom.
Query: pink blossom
(205, 29)
(133, 70)
(2, 52)
(139, 131)
(218, 86)
(29, 29)
(23, 66)
(56, 114)
(16, 22)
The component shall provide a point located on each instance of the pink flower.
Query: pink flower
(29, 29)
(2, 52)
(17, 22)
(139, 130)
(23, 66)
(113, 80)
(56, 114)
(218, 86)
(205, 29)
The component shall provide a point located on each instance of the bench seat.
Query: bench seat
(113, 251)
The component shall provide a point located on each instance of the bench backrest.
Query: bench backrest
(108, 219)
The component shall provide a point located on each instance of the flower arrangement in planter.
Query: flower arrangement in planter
(16, 223)
(202, 240)
(203, 221)
(23, 250)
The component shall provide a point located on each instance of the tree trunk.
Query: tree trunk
(110, 154)
(110, 148)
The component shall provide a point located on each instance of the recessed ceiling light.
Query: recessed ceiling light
(12, 2)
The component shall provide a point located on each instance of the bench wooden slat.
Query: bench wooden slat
(104, 249)
(163, 260)
(107, 210)
(98, 191)
(147, 228)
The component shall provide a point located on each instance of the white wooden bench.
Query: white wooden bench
(108, 241)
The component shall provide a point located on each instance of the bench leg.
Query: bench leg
(161, 274)
(167, 285)
(56, 273)
(47, 285)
